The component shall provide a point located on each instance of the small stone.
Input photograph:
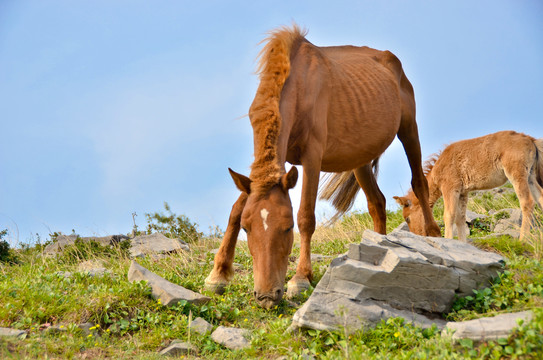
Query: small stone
(93, 268)
(200, 326)
(155, 244)
(168, 293)
(232, 338)
(8, 332)
(178, 347)
(56, 329)
(489, 328)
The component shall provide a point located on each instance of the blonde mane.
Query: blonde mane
(273, 69)
(430, 163)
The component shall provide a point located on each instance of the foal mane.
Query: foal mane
(430, 163)
(273, 69)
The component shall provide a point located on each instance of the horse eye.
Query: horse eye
(244, 229)
(289, 229)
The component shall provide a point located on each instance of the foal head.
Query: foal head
(412, 212)
(268, 221)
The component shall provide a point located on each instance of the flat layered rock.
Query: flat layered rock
(168, 293)
(400, 274)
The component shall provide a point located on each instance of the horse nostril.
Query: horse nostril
(278, 293)
(254, 294)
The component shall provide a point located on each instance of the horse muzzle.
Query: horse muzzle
(269, 299)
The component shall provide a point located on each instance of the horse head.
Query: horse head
(412, 213)
(268, 220)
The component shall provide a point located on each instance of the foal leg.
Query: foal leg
(451, 204)
(408, 135)
(376, 199)
(536, 189)
(520, 184)
(306, 224)
(223, 271)
(460, 219)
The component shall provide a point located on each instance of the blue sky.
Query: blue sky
(113, 107)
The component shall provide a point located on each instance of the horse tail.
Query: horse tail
(539, 160)
(341, 189)
(273, 69)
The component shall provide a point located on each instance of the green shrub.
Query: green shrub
(6, 254)
(173, 226)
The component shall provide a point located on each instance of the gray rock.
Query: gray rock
(232, 338)
(156, 244)
(472, 216)
(8, 332)
(168, 293)
(402, 227)
(200, 326)
(489, 328)
(513, 222)
(60, 243)
(400, 274)
(178, 347)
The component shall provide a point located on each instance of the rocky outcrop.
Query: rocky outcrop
(156, 244)
(62, 241)
(400, 274)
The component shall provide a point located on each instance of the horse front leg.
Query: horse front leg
(223, 269)
(306, 224)
(409, 137)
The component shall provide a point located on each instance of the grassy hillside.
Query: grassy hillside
(35, 296)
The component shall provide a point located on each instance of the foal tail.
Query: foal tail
(539, 161)
(341, 189)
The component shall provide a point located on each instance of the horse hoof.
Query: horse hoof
(296, 288)
(217, 288)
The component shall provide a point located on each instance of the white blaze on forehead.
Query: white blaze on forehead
(264, 215)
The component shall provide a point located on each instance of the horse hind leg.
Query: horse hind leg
(376, 199)
(536, 189)
(520, 182)
(409, 137)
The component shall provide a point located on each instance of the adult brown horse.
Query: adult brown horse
(333, 109)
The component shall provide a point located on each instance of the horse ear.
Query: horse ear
(403, 201)
(243, 183)
(288, 181)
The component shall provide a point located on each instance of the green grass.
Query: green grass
(130, 324)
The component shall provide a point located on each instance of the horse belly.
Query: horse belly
(356, 147)
(359, 131)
